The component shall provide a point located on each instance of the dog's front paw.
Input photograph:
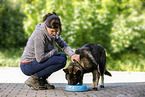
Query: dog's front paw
(95, 89)
(101, 86)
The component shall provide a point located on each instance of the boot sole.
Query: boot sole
(35, 88)
(30, 85)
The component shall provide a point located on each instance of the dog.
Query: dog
(92, 59)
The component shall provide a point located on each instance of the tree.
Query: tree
(11, 25)
(118, 25)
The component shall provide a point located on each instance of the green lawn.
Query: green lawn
(10, 57)
(127, 62)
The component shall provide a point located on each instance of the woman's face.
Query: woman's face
(52, 31)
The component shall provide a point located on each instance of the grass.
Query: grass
(10, 57)
(126, 62)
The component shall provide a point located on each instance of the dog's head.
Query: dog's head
(73, 74)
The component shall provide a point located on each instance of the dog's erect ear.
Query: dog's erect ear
(66, 70)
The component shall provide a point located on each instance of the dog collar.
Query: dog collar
(80, 66)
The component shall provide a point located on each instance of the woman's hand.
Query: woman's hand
(75, 57)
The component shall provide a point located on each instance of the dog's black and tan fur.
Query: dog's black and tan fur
(92, 59)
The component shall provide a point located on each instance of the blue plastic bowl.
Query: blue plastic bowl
(76, 88)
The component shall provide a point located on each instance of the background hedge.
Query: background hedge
(118, 25)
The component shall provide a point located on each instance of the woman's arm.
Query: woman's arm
(64, 46)
(39, 47)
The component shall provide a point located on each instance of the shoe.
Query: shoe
(34, 81)
(42, 85)
(48, 85)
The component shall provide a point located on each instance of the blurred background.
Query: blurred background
(117, 25)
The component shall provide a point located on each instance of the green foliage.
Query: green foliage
(92, 22)
(118, 25)
(34, 11)
(115, 24)
(129, 28)
(11, 27)
(126, 62)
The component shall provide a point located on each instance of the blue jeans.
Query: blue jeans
(46, 68)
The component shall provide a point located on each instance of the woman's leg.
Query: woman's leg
(40, 71)
(45, 69)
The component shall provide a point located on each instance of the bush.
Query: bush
(128, 29)
(11, 25)
(118, 25)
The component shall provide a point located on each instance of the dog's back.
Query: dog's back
(98, 53)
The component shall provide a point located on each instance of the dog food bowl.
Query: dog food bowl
(76, 88)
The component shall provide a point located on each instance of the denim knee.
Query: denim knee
(64, 63)
(62, 55)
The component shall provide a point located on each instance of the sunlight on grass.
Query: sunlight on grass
(127, 62)
(11, 57)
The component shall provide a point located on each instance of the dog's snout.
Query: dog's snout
(71, 83)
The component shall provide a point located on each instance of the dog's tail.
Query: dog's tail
(107, 73)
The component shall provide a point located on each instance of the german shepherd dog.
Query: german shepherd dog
(92, 59)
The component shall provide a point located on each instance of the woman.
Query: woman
(40, 58)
